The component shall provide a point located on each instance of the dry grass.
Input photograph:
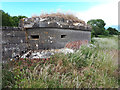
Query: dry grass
(66, 16)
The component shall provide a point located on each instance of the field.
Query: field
(92, 66)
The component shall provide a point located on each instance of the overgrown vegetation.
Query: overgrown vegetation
(93, 66)
(66, 16)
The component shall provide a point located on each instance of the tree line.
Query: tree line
(98, 25)
(8, 20)
(98, 28)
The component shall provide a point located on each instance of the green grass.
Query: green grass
(88, 67)
(106, 42)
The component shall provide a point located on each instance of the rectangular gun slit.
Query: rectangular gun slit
(35, 37)
(63, 36)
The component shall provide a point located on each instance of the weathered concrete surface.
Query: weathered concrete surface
(16, 42)
(13, 42)
(54, 20)
(52, 38)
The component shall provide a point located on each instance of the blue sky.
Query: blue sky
(29, 8)
(85, 9)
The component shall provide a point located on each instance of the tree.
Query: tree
(16, 20)
(8, 20)
(112, 31)
(97, 26)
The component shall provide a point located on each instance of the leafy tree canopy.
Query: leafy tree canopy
(8, 20)
(16, 20)
(113, 31)
(97, 26)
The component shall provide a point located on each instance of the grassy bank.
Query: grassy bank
(93, 66)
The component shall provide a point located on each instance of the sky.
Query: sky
(83, 9)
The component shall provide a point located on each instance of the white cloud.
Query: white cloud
(108, 12)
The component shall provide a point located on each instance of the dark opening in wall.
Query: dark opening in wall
(63, 36)
(36, 37)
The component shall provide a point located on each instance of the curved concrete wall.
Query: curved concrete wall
(52, 38)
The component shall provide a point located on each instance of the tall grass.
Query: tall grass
(106, 43)
(88, 67)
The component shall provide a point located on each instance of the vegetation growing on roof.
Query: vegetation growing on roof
(71, 17)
